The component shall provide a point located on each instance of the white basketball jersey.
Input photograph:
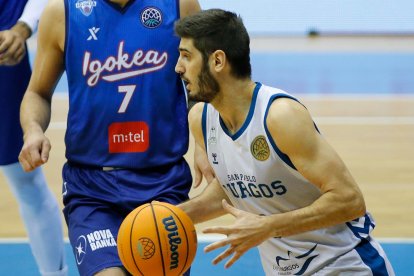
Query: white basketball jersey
(259, 178)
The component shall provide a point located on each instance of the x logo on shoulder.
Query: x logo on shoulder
(93, 31)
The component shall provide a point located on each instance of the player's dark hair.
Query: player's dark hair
(216, 29)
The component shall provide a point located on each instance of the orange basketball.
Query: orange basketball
(157, 239)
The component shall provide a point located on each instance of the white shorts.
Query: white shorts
(352, 263)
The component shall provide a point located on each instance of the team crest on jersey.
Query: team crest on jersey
(259, 148)
(85, 6)
(151, 17)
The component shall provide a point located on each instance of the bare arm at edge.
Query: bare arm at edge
(35, 110)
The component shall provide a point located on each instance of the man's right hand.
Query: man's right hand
(13, 44)
(35, 151)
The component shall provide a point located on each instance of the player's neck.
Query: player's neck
(234, 103)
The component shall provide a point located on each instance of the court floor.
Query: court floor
(16, 259)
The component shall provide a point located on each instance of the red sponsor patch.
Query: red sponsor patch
(128, 137)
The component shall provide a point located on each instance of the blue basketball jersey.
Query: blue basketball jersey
(127, 105)
(10, 12)
(13, 83)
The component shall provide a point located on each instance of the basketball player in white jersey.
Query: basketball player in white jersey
(289, 191)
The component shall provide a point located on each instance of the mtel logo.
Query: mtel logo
(128, 137)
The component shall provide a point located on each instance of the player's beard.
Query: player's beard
(208, 87)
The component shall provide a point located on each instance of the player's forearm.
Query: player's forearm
(330, 209)
(35, 113)
(207, 205)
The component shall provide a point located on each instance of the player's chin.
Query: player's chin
(188, 87)
(192, 96)
(190, 92)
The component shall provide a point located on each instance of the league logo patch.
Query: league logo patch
(151, 17)
(259, 148)
(85, 6)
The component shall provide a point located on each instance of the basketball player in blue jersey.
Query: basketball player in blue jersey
(127, 127)
(37, 204)
(289, 191)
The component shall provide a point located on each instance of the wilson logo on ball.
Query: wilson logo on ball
(173, 239)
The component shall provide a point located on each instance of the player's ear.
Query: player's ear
(218, 60)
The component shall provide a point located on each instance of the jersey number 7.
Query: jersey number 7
(128, 90)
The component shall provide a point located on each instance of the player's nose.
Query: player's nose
(179, 68)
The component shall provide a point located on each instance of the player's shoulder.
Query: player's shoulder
(188, 7)
(277, 100)
(54, 13)
(196, 112)
(284, 108)
(56, 6)
(195, 121)
(284, 104)
(52, 23)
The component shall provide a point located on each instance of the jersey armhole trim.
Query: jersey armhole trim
(282, 156)
(204, 125)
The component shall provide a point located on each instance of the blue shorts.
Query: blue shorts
(96, 201)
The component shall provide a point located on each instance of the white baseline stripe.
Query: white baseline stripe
(365, 120)
(368, 97)
(328, 120)
(61, 96)
(57, 125)
(64, 95)
(203, 238)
